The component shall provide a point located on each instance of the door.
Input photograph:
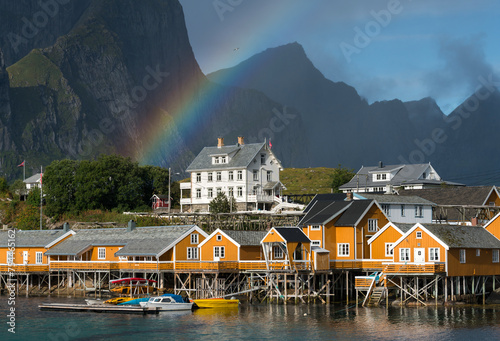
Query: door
(419, 255)
(25, 257)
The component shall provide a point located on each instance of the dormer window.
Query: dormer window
(223, 159)
(216, 159)
(380, 177)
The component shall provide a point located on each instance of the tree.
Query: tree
(59, 187)
(341, 176)
(34, 197)
(3, 185)
(220, 204)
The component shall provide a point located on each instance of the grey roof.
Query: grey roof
(457, 236)
(325, 196)
(246, 238)
(146, 241)
(34, 238)
(407, 174)
(322, 211)
(474, 195)
(293, 234)
(404, 227)
(33, 179)
(396, 199)
(353, 213)
(244, 154)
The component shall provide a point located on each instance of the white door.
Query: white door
(25, 257)
(419, 255)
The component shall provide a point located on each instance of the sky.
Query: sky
(386, 49)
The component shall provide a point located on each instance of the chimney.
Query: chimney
(65, 227)
(220, 142)
(241, 140)
(131, 226)
(380, 164)
(349, 196)
(475, 221)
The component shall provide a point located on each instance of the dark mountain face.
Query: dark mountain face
(116, 71)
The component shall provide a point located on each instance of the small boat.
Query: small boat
(167, 302)
(136, 301)
(118, 300)
(90, 301)
(134, 286)
(216, 303)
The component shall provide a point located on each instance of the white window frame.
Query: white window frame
(239, 192)
(218, 237)
(495, 256)
(39, 258)
(418, 235)
(316, 243)
(192, 253)
(210, 177)
(403, 210)
(262, 159)
(223, 159)
(194, 238)
(478, 252)
(210, 192)
(419, 211)
(343, 250)
(371, 227)
(218, 190)
(198, 193)
(216, 159)
(255, 173)
(230, 191)
(239, 175)
(101, 253)
(278, 253)
(315, 227)
(219, 252)
(230, 175)
(388, 251)
(198, 177)
(404, 254)
(434, 254)
(218, 176)
(463, 256)
(387, 209)
(269, 176)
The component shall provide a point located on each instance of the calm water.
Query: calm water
(255, 322)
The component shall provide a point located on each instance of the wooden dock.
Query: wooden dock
(99, 308)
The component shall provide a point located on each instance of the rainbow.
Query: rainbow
(167, 132)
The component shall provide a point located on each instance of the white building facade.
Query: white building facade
(248, 174)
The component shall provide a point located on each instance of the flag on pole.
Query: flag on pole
(21, 165)
(270, 144)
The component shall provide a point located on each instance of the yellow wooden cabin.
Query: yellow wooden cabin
(232, 250)
(344, 228)
(288, 248)
(453, 250)
(382, 242)
(493, 226)
(24, 251)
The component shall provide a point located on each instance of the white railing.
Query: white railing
(185, 185)
(260, 198)
(186, 201)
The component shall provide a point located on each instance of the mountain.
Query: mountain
(120, 76)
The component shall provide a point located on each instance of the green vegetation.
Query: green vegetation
(314, 180)
(221, 204)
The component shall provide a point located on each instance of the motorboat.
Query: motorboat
(167, 302)
(217, 303)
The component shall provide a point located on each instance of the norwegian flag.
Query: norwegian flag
(21, 165)
(270, 144)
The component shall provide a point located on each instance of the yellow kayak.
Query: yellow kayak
(216, 303)
(117, 300)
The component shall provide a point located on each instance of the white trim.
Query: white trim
(48, 246)
(348, 249)
(492, 220)
(184, 235)
(418, 225)
(390, 250)
(221, 232)
(493, 188)
(368, 208)
(380, 231)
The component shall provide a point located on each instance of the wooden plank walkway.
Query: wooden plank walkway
(100, 308)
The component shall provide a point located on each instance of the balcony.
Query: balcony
(362, 264)
(261, 198)
(186, 201)
(24, 268)
(412, 268)
(185, 185)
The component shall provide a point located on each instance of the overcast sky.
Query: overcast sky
(386, 49)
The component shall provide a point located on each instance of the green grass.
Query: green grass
(307, 180)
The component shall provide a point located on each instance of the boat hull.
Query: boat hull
(167, 306)
(216, 303)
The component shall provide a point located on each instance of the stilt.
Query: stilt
(328, 290)
(347, 286)
(484, 290)
(296, 289)
(446, 289)
(401, 289)
(436, 290)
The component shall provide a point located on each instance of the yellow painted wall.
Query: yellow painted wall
(207, 249)
(110, 253)
(363, 235)
(251, 253)
(18, 255)
(168, 256)
(493, 198)
(481, 265)
(390, 235)
(314, 234)
(272, 237)
(494, 227)
(425, 242)
(181, 247)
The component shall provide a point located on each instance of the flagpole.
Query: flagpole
(24, 170)
(41, 195)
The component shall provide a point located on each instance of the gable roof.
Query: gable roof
(31, 238)
(475, 195)
(395, 199)
(323, 211)
(243, 155)
(458, 236)
(292, 234)
(143, 241)
(354, 213)
(246, 238)
(33, 179)
(326, 196)
(401, 228)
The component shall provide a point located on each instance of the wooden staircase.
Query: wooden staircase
(376, 291)
(375, 297)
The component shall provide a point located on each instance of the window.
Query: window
(194, 238)
(382, 176)
(218, 238)
(192, 253)
(379, 176)
(478, 252)
(210, 192)
(255, 175)
(404, 255)
(419, 235)
(372, 225)
(219, 252)
(39, 258)
(198, 177)
(402, 210)
(210, 176)
(223, 159)
(231, 191)
(240, 192)
(343, 250)
(262, 159)
(101, 253)
(219, 190)
(216, 159)
(315, 227)
(491, 203)
(278, 252)
(219, 176)
(434, 254)
(419, 211)
(240, 175)
(315, 242)
(462, 255)
(269, 176)
(388, 251)
(231, 175)
(198, 193)
(495, 256)
(424, 175)
(386, 209)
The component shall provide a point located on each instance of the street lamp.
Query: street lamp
(169, 182)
